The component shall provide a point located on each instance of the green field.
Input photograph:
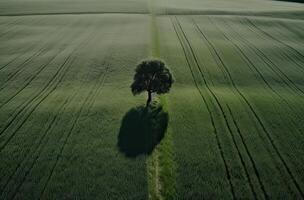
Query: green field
(236, 121)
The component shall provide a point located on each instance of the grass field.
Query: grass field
(235, 111)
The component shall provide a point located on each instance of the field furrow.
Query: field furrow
(233, 119)
(209, 111)
(253, 68)
(301, 55)
(256, 116)
(30, 79)
(217, 101)
(31, 105)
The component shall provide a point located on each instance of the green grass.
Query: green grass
(248, 128)
(235, 111)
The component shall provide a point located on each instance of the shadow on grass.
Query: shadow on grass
(142, 129)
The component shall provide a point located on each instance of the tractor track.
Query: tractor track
(282, 53)
(48, 89)
(98, 86)
(40, 146)
(271, 65)
(49, 127)
(20, 54)
(13, 27)
(209, 111)
(90, 96)
(68, 59)
(31, 78)
(275, 39)
(248, 153)
(23, 65)
(40, 149)
(252, 67)
(227, 125)
(258, 119)
(260, 54)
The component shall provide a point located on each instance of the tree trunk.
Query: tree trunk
(149, 98)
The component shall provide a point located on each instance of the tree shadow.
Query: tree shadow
(142, 129)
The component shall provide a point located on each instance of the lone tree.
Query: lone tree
(151, 76)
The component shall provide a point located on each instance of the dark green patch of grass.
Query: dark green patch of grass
(142, 129)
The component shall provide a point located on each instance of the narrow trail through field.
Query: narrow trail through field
(235, 110)
(153, 161)
(161, 162)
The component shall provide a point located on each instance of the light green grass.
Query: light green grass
(235, 111)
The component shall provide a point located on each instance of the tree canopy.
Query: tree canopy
(152, 76)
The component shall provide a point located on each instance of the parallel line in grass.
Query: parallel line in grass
(39, 150)
(275, 39)
(292, 121)
(12, 24)
(8, 23)
(55, 86)
(12, 60)
(249, 105)
(292, 29)
(296, 33)
(21, 54)
(246, 148)
(282, 53)
(99, 84)
(23, 65)
(75, 121)
(23, 106)
(98, 90)
(276, 69)
(41, 146)
(225, 119)
(253, 68)
(248, 153)
(248, 177)
(249, 63)
(261, 123)
(50, 87)
(71, 130)
(25, 158)
(47, 90)
(261, 55)
(31, 78)
(287, 55)
(228, 175)
(24, 120)
(271, 66)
